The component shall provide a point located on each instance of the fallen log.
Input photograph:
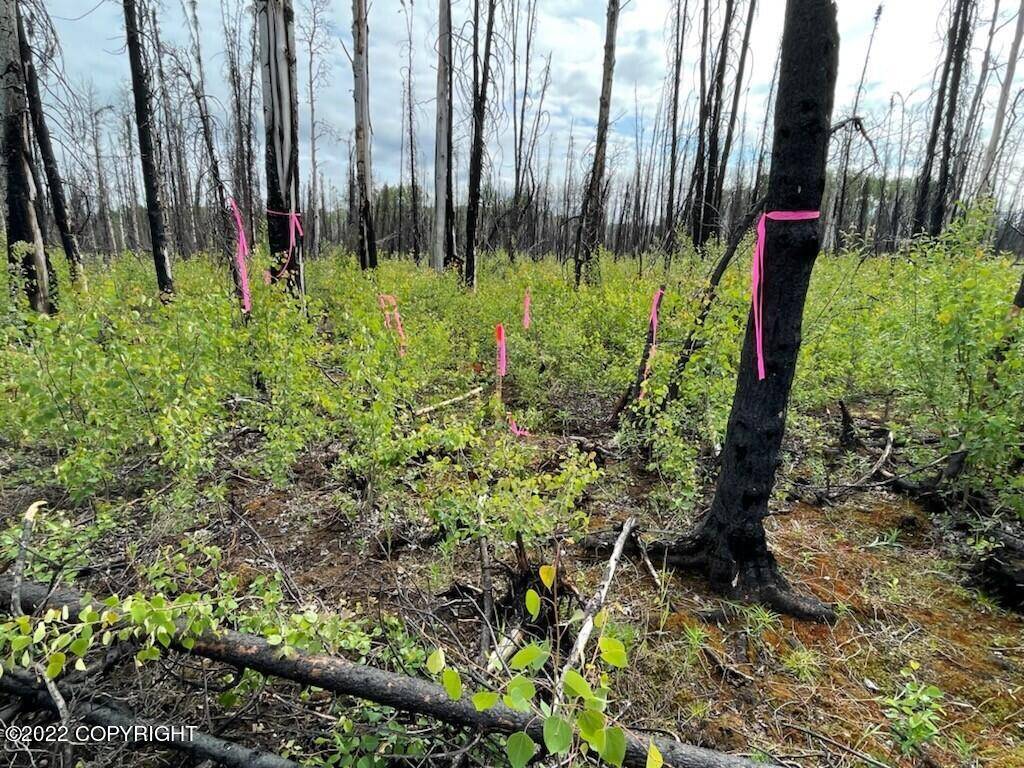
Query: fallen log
(145, 732)
(391, 689)
(1000, 571)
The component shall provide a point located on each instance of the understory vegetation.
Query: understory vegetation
(299, 476)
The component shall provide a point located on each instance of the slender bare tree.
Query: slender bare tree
(276, 23)
(26, 256)
(147, 150)
(444, 242)
(367, 246)
(588, 231)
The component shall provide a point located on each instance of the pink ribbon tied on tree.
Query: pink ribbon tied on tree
(757, 272)
(499, 337)
(294, 229)
(392, 318)
(653, 325)
(241, 253)
(527, 302)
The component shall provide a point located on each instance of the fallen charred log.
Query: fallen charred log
(392, 689)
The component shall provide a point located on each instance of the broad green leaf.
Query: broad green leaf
(532, 655)
(435, 661)
(547, 575)
(576, 685)
(452, 682)
(614, 751)
(557, 735)
(654, 758)
(484, 700)
(591, 727)
(55, 665)
(613, 652)
(533, 603)
(519, 748)
(519, 693)
(600, 618)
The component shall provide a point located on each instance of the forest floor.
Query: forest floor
(729, 677)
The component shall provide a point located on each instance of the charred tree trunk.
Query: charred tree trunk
(481, 77)
(53, 180)
(730, 541)
(589, 231)
(364, 169)
(147, 151)
(276, 21)
(26, 256)
(923, 191)
(963, 37)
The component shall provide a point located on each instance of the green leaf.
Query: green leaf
(275, 639)
(654, 758)
(591, 726)
(547, 575)
(435, 661)
(576, 685)
(613, 652)
(452, 682)
(519, 748)
(557, 735)
(55, 665)
(80, 646)
(533, 603)
(614, 751)
(484, 700)
(519, 692)
(532, 655)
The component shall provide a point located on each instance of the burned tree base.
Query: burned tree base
(745, 571)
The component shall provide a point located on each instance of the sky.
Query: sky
(906, 49)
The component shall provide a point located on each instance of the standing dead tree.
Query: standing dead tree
(41, 131)
(481, 80)
(729, 544)
(589, 230)
(147, 150)
(26, 256)
(996, 138)
(312, 31)
(367, 247)
(276, 23)
(444, 214)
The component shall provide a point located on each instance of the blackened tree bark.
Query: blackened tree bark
(959, 48)
(53, 179)
(730, 541)
(481, 77)
(276, 23)
(147, 150)
(924, 182)
(26, 256)
(588, 232)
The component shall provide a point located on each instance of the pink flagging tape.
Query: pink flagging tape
(757, 272)
(294, 228)
(393, 319)
(499, 337)
(653, 324)
(527, 302)
(241, 254)
(515, 429)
